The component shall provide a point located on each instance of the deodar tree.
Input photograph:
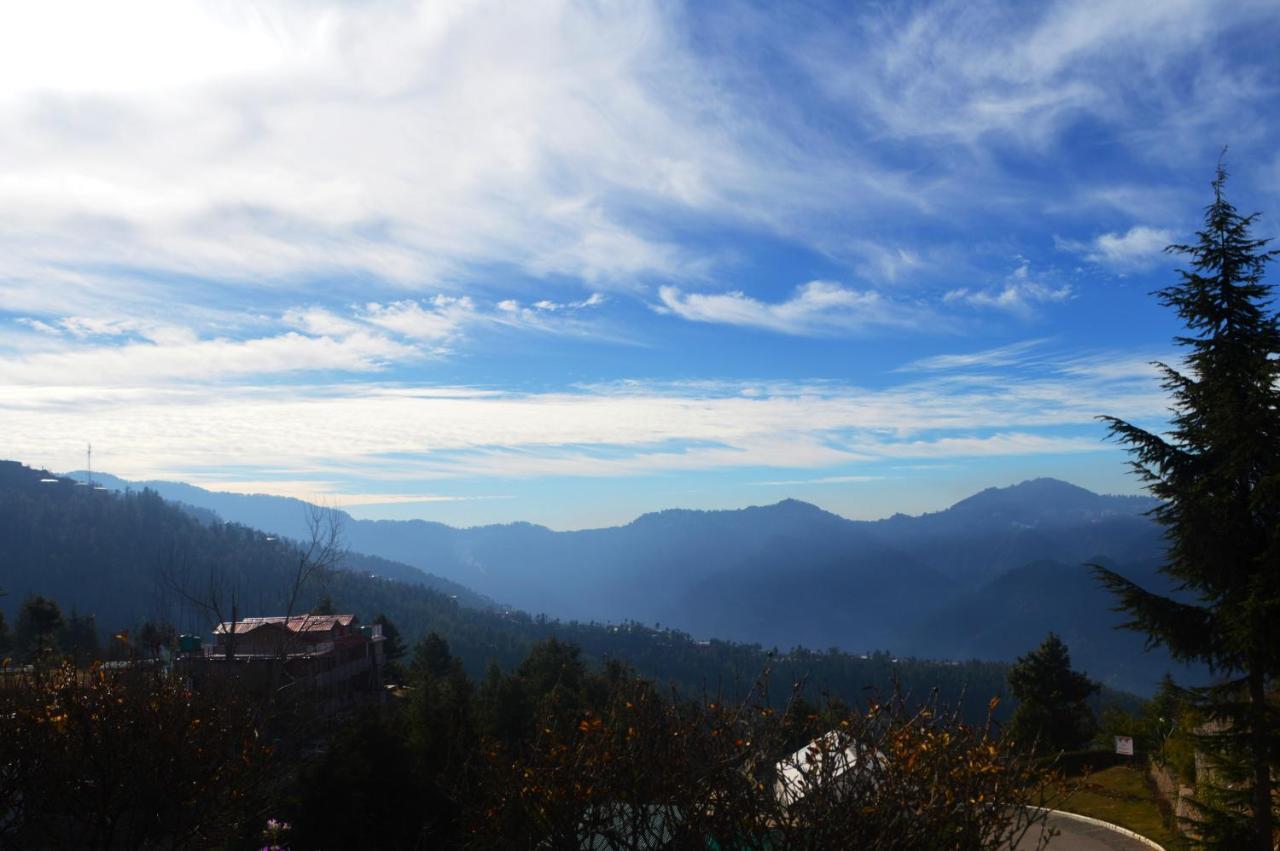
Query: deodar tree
(1217, 473)
(1053, 711)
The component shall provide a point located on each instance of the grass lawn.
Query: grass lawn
(1121, 795)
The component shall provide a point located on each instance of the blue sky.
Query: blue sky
(570, 262)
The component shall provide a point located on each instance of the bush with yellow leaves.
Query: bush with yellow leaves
(124, 759)
(651, 771)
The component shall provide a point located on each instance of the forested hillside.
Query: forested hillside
(959, 583)
(130, 557)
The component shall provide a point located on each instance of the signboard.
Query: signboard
(1124, 745)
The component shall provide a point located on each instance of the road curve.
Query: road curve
(1075, 835)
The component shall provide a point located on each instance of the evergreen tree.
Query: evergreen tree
(503, 709)
(79, 638)
(431, 657)
(39, 621)
(555, 678)
(5, 642)
(1053, 710)
(392, 649)
(362, 787)
(1218, 476)
(153, 636)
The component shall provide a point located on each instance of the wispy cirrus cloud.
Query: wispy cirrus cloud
(360, 154)
(363, 432)
(822, 480)
(408, 143)
(327, 492)
(1019, 295)
(205, 208)
(1009, 355)
(149, 363)
(816, 308)
(89, 351)
(968, 71)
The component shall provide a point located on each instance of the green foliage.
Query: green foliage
(431, 658)
(1218, 476)
(152, 637)
(1123, 794)
(39, 621)
(504, 712)
(604, 759)
(393, 650)
(79, 639)
(6, 641)
(133, 759)
(1158, 726)
(365, 786)
(126, 557)
(1053, 712)
(1169, 723)
(440, 720)
(637, 770)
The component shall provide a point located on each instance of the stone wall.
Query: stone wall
(1176, 795)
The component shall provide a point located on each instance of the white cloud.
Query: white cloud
(976, 72)
(435, 321)
(419, 146)
(886, 263)
(104, 351)
(322, 492)
(1118, 365)
(38, 325)
(320, 322)
(823, 480)
(85, 327)
(1138, 248)
(1019, 295)
(365, 433)
(1016, 298)
(1003, 444)
(407, 141)
(817, 308)
(1000, 356)
(594, 300)
(142, 364)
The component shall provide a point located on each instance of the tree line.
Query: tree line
(128, 563)
(551, 754)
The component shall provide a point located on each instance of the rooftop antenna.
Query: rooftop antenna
(90, 483)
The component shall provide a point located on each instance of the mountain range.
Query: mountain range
(122, 559)
(986, 578)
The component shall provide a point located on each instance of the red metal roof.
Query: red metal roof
(303, 624)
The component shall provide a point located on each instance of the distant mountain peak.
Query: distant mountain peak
(1045, 496)
(793, 504)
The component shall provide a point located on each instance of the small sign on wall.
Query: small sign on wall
(1124, 745)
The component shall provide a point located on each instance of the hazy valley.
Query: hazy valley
(983, 579)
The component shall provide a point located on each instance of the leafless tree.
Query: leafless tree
(322, 552)
(218, 591)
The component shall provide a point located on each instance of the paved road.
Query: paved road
(1079, 836)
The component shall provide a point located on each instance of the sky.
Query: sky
(569, 262)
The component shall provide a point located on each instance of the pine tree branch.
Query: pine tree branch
(1188, 631)
(1150, 450)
